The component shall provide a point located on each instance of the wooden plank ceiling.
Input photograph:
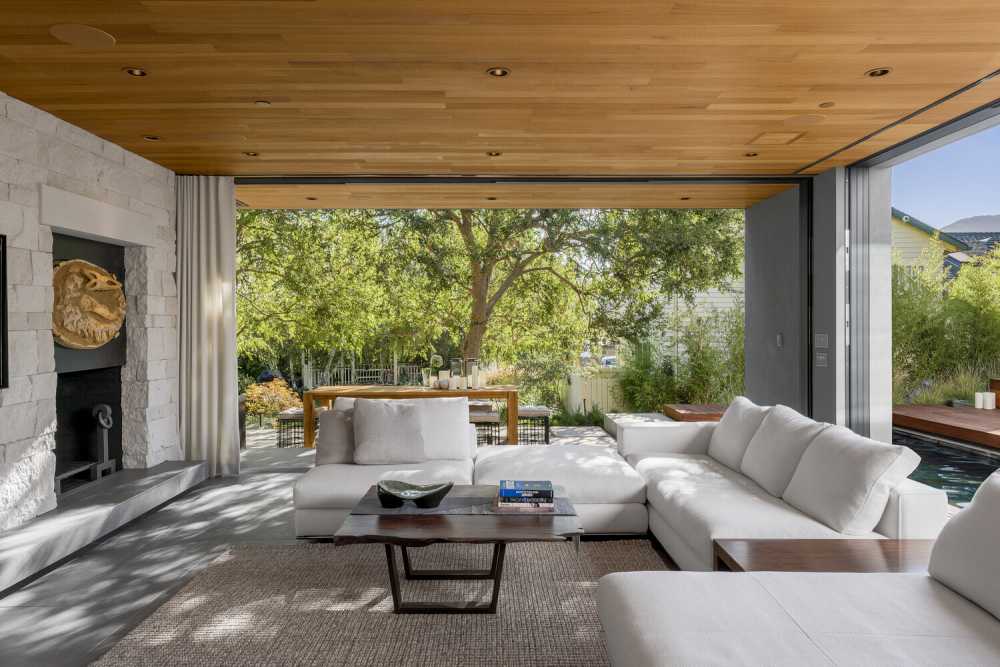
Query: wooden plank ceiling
(596, 87)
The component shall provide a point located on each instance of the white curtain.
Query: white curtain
(206, 258)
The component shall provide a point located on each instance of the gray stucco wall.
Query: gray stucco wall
(775, 361)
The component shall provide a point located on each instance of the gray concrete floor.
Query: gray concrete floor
(78, 609)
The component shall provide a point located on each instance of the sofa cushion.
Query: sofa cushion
(654, 619)
(587, 474)
(791, 618)
(965, 556)
(387, 431)
(733, 433)
(775, 449)
(703, 500)
(341, 486)
(444, 426)
(335, 441)
(844, 479)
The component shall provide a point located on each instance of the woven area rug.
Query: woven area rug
(319, 604)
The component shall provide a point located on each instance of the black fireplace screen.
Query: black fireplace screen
(4, 372)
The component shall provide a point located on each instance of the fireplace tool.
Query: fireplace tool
(105, 465)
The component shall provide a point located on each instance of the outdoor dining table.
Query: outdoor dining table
(326, 395)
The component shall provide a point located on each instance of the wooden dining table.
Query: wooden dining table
(325, 396)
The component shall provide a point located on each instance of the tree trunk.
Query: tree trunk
(474, 339)
(480, 315)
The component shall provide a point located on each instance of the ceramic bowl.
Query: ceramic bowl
(392, 493)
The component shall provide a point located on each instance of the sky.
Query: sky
(957, 181)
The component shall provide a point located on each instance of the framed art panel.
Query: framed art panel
(4, 355)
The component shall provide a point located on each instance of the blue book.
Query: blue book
(510, 488)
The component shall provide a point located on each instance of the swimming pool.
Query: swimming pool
(957, 471)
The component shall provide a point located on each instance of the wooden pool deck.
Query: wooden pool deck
(980, 427)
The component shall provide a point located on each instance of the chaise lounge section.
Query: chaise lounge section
(950, 616)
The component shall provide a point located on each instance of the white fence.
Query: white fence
(402, 374)
(599, 389)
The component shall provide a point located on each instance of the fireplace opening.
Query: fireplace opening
(89, 383)
(88, 426)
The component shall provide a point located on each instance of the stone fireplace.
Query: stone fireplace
(57, 181)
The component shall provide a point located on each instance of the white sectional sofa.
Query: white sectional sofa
(686, 482)
(950, 616)
(772, 473)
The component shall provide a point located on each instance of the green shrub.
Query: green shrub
(647, 379)
(704, 365)
(946, 332)
(566, 417)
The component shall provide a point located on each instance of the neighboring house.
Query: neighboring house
(981, 232)
(911, 237)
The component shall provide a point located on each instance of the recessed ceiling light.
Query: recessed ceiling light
(494, 153)
(826, 105)
(262, 103)
(751, 154)
(151, 137)
(85, 36)
(878, 71)
(312, 198)
(135, 71)
(251, 153)
(498, 71)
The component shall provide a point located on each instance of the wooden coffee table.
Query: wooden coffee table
(847, 555)
(466, 516)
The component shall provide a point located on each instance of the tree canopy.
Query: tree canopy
(494, 283)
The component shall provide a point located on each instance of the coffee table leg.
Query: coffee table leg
(499, 550)
(495, 573)
(390, 558)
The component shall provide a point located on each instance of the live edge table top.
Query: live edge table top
(490, 528)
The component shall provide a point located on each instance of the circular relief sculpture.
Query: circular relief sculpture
(89, 307)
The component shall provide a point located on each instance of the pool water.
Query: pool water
(957, 471)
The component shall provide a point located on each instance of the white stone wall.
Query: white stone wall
(37, 148)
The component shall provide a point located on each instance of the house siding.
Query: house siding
(909, 243)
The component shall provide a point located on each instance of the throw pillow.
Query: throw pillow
(733, 432)
(776, 448)
(844, 480)
(387, 431)
(335, 440)
(964, 557)
(446, 428)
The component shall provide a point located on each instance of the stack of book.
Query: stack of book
(526, 496)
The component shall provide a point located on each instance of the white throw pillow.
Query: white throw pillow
(844, 480)
(737, 426)
(446, 427)
(965, 555)
(335, 441)
(343, 403)
(387, 431)
(777, 446)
